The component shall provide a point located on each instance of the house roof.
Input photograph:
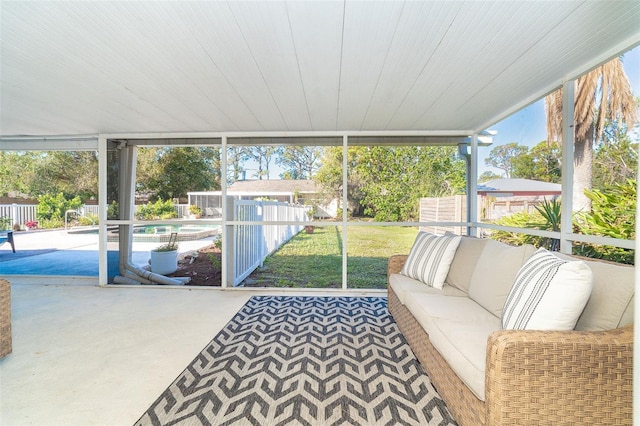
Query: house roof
(273, 186)
(519, 187)
(83, 68)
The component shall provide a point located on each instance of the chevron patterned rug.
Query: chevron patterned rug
(304, 361)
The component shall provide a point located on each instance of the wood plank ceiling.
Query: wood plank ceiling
(112, 67)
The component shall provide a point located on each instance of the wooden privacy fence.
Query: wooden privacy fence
(444, 209)
(251, 244)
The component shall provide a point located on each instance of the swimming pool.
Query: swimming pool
(157, 233)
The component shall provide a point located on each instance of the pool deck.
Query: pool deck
(59, 253)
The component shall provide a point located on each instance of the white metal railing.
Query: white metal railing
(253, 243)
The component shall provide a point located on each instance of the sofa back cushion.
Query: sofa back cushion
(495, 273)
(612, 297)
(464, 262)
(549, 294)
(430, 258)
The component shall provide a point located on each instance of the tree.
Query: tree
(171, 172)
(395, 178)
(617, 162)
(300, 162)
(17, 172)
(263, 155)
(236, 156)
(502, 157)
(542, 162)
(36, 173)
(330, 177)
(387, 182)
(487, 176)
(602, 94)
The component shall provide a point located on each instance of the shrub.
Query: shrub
(158, 210)
(55, 206)
(50, 223)
(113, 211)
(5, 222)
(170, 246)
(547, 218)
(518, 220)
(613, 214)
(88, 220)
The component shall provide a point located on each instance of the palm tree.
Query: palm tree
(602, 94)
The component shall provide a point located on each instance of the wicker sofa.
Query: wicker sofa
(529, 377)
(5, 318)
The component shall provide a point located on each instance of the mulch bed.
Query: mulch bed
(204, 267)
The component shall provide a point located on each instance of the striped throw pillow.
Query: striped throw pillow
(548, 294)
(430, 258)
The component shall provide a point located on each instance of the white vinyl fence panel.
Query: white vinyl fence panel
(18, 213)
(23, 213)
(253, 243)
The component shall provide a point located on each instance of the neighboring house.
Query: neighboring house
(291, 191)
(502, 197)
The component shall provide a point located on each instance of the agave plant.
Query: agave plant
(551, 212)
(547, 218)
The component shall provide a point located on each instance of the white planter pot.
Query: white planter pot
(164, 262)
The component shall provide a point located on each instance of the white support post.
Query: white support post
(227, 257)
(345, 192)
(228, 244)
(636, 330)
(472, 204)
(566, 225)
(103, 266)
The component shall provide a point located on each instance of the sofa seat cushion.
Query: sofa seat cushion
(495, 273)
(464, 346)
(458, 328)
(402, 285)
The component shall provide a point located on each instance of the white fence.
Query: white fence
(18, 213)
(23, 213)
(253, 243)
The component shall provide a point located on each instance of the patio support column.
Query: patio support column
(226, 255)
(472, 195)
(345, 192)
(103, 266)
(566, 225)
(127, 172)
(636, 330)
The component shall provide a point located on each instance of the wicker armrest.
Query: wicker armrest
(559, 377)
(396, 262)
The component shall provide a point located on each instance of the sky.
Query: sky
(528, 126)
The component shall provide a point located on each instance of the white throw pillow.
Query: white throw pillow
(548, 294)
(430, 258)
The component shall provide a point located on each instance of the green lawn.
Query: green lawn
(315, 260)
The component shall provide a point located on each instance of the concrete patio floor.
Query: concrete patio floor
(88, 355)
